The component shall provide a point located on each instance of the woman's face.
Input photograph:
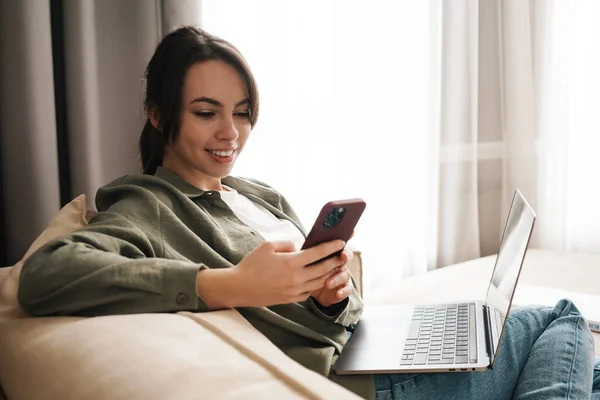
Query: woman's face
(215, 124)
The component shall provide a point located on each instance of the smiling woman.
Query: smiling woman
(213, 112)
(215, 125)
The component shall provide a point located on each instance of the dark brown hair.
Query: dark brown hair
(165, 74)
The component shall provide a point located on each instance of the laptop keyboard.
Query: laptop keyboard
(441, 334)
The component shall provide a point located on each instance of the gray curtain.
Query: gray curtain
(70, 102)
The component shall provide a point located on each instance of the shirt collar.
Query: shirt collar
(243, 186)
(180, 184)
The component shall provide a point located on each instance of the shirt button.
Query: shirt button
(181, 298)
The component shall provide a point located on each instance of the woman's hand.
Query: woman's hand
(338, 284)
(275, 273)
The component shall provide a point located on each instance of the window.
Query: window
(345, 112)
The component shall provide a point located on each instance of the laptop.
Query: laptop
(461, 336)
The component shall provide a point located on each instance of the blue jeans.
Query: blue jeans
(546, 353)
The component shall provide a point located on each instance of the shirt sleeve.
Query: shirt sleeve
(114, 265)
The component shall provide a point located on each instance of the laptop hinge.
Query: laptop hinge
(488, 334)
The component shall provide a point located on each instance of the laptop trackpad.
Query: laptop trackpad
(378, 340)
(382, 326)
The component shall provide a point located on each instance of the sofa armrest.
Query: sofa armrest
(355, 267)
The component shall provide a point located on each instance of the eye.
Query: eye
(205, 114)
(243, 114)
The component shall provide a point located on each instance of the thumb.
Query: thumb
(284, 246)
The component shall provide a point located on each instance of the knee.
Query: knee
(565, 307)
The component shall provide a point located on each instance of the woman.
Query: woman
(187, 236)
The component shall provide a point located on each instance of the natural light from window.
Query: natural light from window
(345, 112)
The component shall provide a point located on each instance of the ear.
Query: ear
(152, 114)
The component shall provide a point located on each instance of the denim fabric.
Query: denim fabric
(546, 353)
(596, 384)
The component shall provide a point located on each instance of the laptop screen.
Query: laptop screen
(513, 246)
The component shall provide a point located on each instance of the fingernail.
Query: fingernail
(331, 283)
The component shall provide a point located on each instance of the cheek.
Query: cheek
(192, 133)
(244, 132)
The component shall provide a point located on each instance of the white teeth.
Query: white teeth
(222, 153)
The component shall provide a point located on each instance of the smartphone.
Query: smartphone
(336, 220)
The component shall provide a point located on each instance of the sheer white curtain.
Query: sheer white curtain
(535, 95)
(569, 145)
(345, 112)
(433, 111)
(488, 120)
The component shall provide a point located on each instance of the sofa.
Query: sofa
(218, 355)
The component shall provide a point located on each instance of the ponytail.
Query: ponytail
(152, 148)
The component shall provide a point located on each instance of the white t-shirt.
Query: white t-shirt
(260, 219)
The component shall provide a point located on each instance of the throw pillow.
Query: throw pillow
(70, 218)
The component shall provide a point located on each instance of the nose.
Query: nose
(227, 129)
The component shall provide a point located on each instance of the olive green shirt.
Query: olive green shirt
(142, 251)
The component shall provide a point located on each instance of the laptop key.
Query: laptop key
(472, 336)
(413, 330)
(406, 362)
(420, 359)
(460, 360)
(440, 361)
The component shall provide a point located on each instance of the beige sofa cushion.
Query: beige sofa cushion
(216, 355)
(70, 218)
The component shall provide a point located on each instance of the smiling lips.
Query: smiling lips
(222, 156)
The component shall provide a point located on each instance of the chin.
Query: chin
(221, 173)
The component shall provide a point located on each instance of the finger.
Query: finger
(322, 269)
(335, 271)
(314, 284)
(283, 246)
(347, 255)
(334, 296)
(341, 277)
(344, 291)
(318, 252)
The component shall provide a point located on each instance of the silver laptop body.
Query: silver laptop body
(462, 336)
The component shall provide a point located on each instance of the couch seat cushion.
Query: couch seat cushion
(148, 356)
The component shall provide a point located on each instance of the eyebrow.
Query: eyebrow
(217, 102)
